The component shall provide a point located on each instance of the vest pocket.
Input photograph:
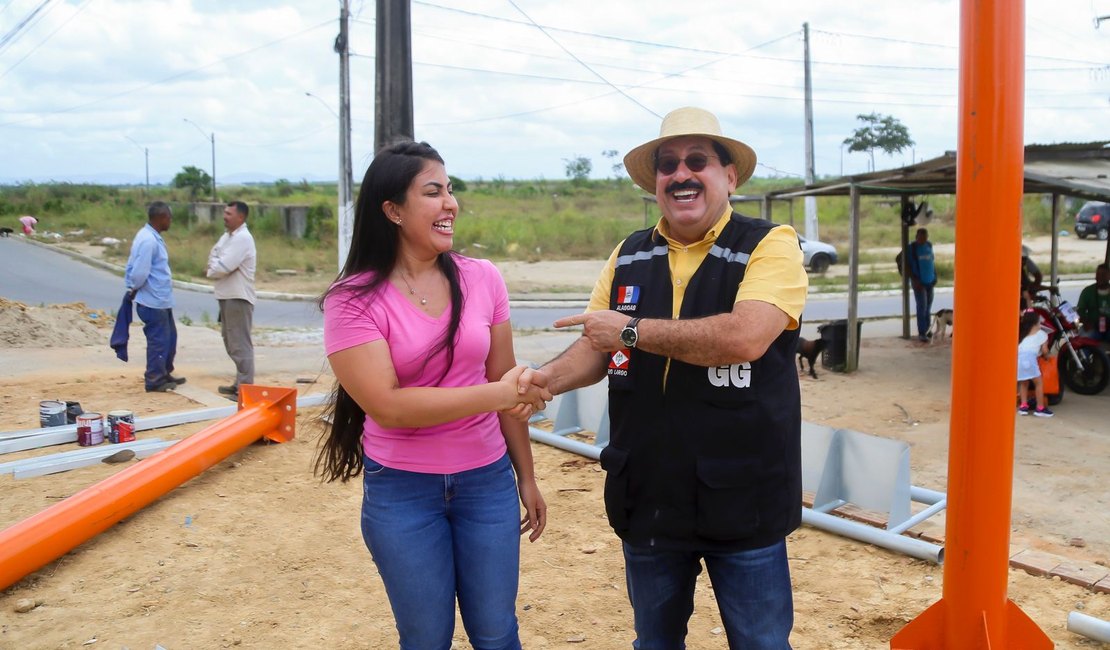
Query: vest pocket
(613, 461)
(727, 506)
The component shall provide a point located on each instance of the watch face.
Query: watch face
(628, 337)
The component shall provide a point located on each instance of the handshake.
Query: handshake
(525, 392)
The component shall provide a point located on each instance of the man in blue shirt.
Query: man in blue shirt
(923, 277)
(150, 285)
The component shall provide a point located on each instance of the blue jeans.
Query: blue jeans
(923, 298)
(752, 589)
(435, 537)
(161, 343)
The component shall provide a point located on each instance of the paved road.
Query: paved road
(36, 275)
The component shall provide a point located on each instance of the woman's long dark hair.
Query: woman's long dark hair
(374, 246)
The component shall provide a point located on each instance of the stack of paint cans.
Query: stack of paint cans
(90, 429)
(121, 426)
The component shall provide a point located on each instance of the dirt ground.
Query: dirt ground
(257, 553)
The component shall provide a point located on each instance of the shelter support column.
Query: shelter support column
(852, 358)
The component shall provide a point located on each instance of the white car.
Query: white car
(817, 255)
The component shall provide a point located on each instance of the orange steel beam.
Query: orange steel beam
(973, 611)
(38, 540)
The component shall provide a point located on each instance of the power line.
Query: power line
(48, 37)
(124, 93)
(12, 34)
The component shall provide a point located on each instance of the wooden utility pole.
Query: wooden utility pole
(393, 79)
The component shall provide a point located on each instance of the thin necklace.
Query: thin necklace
(412, 292)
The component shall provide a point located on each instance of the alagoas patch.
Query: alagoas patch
(618, 363)
(628, 298)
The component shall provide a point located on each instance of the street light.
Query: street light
(322, 102)
(146, 155)
(213, 138)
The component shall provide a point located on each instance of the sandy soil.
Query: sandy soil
(257, 553)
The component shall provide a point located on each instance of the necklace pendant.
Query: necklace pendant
(412, 292)
(423, 301)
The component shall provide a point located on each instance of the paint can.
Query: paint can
(121, 426)
(73, 409)
(90, 429)
(52, 413)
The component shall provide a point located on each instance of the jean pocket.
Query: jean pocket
(614, 462)
(727, 503)
(371, 466)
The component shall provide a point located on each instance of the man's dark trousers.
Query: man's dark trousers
(161, 344)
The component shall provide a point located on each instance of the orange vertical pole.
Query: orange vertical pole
(38, 540)
(974, 611)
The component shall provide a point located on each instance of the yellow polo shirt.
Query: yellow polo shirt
(774, 273)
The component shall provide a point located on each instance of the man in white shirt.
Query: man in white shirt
(231, 264)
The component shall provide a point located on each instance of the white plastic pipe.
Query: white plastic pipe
(1089, 626)
(913, 547)
(566, 444)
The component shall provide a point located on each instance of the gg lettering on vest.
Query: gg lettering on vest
(738, 375)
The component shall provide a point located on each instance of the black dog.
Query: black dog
(809, 350)
(6, 232)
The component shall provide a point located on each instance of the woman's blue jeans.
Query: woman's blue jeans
(438, 537)
(752, 590)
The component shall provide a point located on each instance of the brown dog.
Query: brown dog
(809, 350)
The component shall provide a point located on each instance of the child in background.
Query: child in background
(1033, 342)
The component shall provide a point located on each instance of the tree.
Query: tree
(194, 178)
(879, 132)
(578, 169)
(618, 166)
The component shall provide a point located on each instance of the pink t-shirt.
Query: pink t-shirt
(457, 446)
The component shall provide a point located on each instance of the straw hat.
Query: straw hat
(640, 163)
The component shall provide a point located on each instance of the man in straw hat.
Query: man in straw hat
(695, 322)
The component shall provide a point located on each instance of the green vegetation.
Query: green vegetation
(499, 219)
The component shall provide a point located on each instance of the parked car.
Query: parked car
(817, 255)
(1093, 219)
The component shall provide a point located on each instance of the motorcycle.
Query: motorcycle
(1083, 365)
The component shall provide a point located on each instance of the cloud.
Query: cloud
(498, 95)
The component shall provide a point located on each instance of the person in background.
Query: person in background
(150, 285)
(923, 279)
(231, 264)
(695, 323)
(1033, 343)
(427, 408)
(1031, 278)
(28, 222)
(1094, 306)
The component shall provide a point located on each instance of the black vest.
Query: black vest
(711, 459)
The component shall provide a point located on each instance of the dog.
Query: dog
(6, 232)
(809, 350)
(942, 320)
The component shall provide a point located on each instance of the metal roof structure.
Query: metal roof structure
(1075, 169)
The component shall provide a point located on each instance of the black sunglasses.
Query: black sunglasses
(695, 162)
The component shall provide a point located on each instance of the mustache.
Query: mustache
(688, 184)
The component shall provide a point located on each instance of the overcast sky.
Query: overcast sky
(503, 88)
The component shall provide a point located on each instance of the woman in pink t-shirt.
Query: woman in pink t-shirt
(427, 409)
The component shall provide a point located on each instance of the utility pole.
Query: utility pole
(146, 156)
(811, 176)
(345, 216)
(393, 78)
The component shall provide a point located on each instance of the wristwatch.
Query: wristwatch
(629, 336)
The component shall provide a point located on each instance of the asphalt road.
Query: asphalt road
(36, 275)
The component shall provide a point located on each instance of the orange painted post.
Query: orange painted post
(38, 540)
(973, 611)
